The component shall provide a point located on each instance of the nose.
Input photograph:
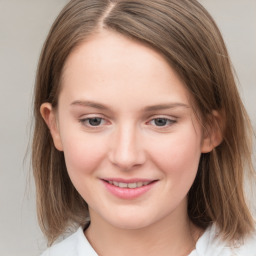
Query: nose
(126, 149)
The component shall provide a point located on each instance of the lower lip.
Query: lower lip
(128, 193)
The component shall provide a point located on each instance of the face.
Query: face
(125, 123)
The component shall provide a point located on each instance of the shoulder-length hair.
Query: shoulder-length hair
(188, 38)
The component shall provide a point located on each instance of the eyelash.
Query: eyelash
(86, 121)
(167, 122)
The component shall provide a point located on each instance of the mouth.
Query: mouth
(130, 185)
(128, 189)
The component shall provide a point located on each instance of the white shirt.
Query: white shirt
(207, 245)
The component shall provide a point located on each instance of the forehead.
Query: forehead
(108, 63)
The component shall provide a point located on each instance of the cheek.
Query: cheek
(178, 155)
(83, 154)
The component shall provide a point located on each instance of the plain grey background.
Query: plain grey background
(24, 25)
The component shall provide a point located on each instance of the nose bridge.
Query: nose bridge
(126, 150)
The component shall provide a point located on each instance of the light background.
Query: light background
(24, 25)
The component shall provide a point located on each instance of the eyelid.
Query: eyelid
(171, 120)
(86, 118)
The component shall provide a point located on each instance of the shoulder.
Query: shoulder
(74, 245)
(210, 244)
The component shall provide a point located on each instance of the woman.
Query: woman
(140, 134)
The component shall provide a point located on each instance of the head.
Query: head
(185, 35)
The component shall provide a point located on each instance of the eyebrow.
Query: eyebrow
(89, 104)
(165, 106)
(146, 109)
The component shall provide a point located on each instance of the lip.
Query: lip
(128, 193)
(128, 180)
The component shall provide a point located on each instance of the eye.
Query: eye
(93, 121)
(161, 122)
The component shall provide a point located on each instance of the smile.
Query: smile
(128, 189)
(128, 185)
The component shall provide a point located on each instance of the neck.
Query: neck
(169, 236)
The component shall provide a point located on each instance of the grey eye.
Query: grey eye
(96, 121)
(160, 121)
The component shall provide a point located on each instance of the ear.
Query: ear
(49, 116)
(213, 132)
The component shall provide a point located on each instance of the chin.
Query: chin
(131, 220)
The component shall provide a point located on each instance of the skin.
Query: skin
(127, 86)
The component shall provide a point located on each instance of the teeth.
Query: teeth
(122, 185)
(140, 184)
(129, 185)
(132, 185)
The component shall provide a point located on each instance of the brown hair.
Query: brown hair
(186, 35)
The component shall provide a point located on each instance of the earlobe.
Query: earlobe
(213, 134)
(50, 119)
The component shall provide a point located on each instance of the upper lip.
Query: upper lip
(135, 180)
